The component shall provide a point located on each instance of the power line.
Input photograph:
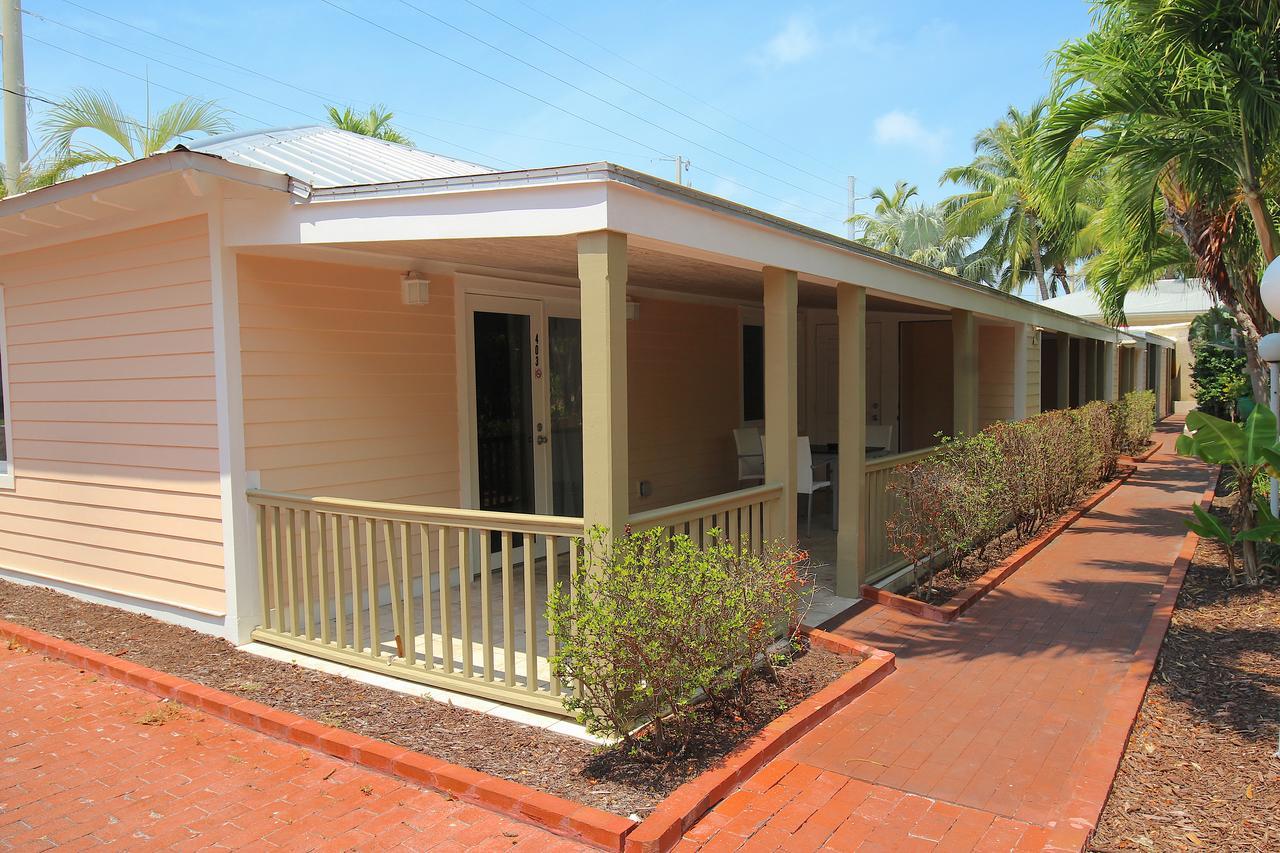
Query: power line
(676, 86)
(638, 117)
(229, 87)
(645, 94)
(332, 98)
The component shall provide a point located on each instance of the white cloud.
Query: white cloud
(796, 41)
(899, 128)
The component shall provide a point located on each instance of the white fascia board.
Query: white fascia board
(676, 223)
(552, 209)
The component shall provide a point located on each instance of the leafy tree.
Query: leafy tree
(1180, 101)
(915, 231)
(376, 123)
(131, 139)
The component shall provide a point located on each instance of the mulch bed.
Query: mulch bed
(956, 578)
(606, 778)
(1200, 769)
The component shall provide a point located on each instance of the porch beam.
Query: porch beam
(781, 417)
(851, 311)
(1021, 344)
(1064, 370)
(964, 371)
(602, 272)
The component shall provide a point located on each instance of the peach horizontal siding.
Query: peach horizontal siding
(1033, 343)
(683, 376)
(113, 413)
(347, 391)
(995, 374)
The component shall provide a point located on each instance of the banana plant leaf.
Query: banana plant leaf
(1209, 527)
(1225, 443)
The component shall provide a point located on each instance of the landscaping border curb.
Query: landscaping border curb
(560, 816)
(663, 829)
(997, 575)
(1090, 795)
(1144, 456)
(589, 825)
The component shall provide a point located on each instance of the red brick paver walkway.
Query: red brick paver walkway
(1000, 731)
(86, 762)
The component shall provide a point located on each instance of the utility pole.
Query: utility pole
(681, 165)
(15, 90)
(853, 207)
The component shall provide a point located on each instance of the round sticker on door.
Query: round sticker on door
(537, 373)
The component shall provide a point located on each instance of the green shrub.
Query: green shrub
(655, 622)
(1219, 377)
(1133, 418)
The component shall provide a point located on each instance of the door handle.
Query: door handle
(542, 439)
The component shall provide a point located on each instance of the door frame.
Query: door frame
(475, 292)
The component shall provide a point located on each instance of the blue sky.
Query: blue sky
(774, 104)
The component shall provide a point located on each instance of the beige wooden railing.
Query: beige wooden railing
(879, 505)
(450, 597)
(740, 516)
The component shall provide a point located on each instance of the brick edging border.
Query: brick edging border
(997, 575)
(1090, 795)
(1143, 456)
(555, 814)
(663, 828)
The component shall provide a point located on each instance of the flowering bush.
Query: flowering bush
(1010, 475)
(655, 622)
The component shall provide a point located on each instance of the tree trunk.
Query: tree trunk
(1262, 223)
(1037, 262)
(1060, 276)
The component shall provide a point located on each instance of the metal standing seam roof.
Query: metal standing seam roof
(328, 157)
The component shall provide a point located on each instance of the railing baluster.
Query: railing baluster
(409, 641)
(322, 597)
(446, 606)
(464, 601)
(508, 615)
(530, 614)
(263, 564)
(304, 561)
(371, 575)
(486, 626)
(339, 606)
(393, 591)
(289, 560)
(357, 607)
(573, 576)
(428, 621)
(553, 564)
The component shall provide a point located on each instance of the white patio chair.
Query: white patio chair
(805, 484)
(879, 436)
(750, 454)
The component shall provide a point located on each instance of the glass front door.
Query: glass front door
(527, 406)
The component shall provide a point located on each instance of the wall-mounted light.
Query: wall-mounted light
(415, 288)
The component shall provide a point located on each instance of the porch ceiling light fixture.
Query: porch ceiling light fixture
(415, 288)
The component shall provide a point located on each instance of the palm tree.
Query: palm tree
(1180, 102)
(375, 123)
(1004, 207)
(90, 110)
(914, 231)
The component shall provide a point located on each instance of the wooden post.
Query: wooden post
(851, 309)
(1109, 372)
(1022, 335)
(1088, 363)
(1064, 370)
(780, 397)
(964, 371)
(1140, 367)
(602, 272)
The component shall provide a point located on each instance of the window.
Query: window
(6, 423)
(752, 372)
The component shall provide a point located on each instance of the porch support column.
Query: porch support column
(1064, 370)
(1021, 343)
(851, 309)
(781, 418)
(602, 272)
(1090, 361)
(1140, 368)
(1109, 355)
(964, 371)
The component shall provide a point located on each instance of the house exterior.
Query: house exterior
(1165, 309)
(361, 401)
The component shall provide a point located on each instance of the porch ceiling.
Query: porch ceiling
(556, 257)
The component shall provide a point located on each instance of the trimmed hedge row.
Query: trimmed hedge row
(1011, 475)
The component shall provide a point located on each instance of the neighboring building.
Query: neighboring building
(360, 401)
(1166, 309)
